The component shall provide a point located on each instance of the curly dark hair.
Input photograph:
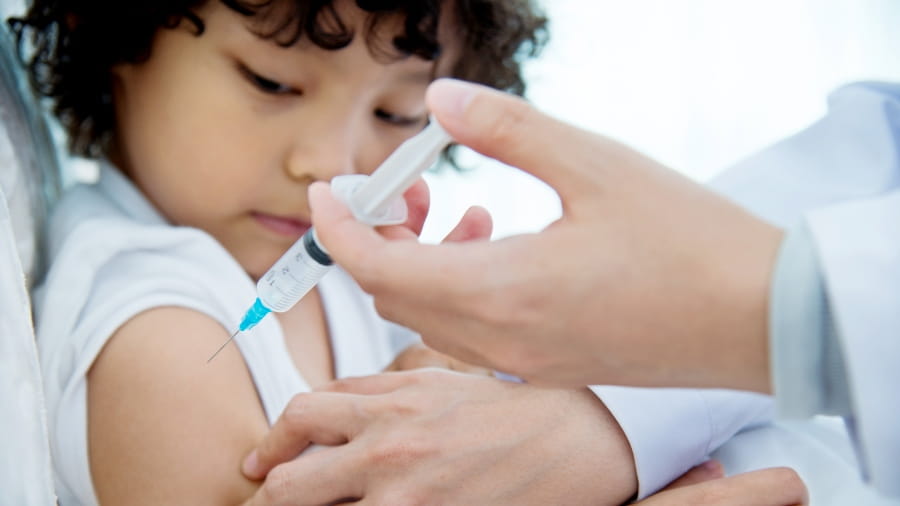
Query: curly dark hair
(72, 45)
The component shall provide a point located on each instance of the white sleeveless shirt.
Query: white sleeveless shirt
(114, 256)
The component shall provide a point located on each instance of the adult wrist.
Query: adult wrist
(742, 286)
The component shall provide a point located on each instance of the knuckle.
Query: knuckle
(392, 407)
(277, 487)
(420, 351)
(506, 129)
(296, 415)
(367, 274)
(418, 356)
(341, 385)
(296, 400)
(399, 452)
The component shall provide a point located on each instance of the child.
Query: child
(210, 119)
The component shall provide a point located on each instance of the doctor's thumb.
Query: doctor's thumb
(347, 241)
(509, 129)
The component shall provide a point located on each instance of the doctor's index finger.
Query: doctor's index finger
(418, 200)
(765, 487)
(509, 129)
(316, 418)
(397, 267)
(329, 476)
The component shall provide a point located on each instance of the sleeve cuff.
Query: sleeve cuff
(671, 430)
(808, 372)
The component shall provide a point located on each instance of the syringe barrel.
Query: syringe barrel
(294, 274)
(399, 171)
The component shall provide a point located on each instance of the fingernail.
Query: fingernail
(250, 466)
(451, 97)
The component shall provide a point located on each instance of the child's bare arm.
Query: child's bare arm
(164, 426)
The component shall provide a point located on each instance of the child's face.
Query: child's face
(225, 131)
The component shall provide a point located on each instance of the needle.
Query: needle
(236, 332)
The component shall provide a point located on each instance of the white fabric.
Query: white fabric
(807, 364)
(11, 7)
(842, 175)
(19, 193)
(672, 430)
(818, 450)
(114, 257)
(861, 266)
(28, 164)
(25, 470)
(17, 165)
(25, 476)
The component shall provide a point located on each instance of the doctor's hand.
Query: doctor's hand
(419, 356)
(705, 485)
(646, 279)
(438, 437)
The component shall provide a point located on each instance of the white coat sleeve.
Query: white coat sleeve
(808, 372)
(672, 430)
(854, 370)
(835, 187)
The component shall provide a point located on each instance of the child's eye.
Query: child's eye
(267, 86)
(395, 119)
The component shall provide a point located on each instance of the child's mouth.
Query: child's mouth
(282, 225)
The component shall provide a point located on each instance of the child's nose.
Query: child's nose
(322, 154)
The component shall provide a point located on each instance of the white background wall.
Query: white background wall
(697, 84)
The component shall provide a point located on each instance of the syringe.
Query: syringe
(376, 199)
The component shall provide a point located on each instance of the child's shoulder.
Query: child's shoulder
(111, 222)
(98, 250)
(86, 209)
(107, 263)
(127, 311)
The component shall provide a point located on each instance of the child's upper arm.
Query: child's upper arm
(164, 426)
